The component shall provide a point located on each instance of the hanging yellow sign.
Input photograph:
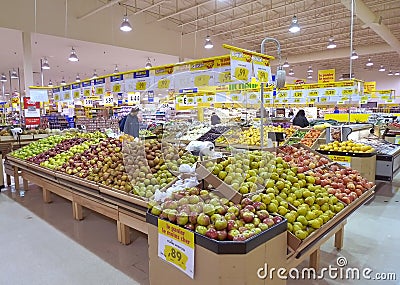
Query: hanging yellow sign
(326, 75)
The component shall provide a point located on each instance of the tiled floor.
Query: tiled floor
(41, 243)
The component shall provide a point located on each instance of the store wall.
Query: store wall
(383, 81)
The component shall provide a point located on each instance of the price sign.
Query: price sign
(389, 101)
(363, 102)
(285, 101)
(86, 92)
(133, 98)
(77, 94)
(190, 100)
(297, 100)
(340, 102)
(88, 103)
(313, 93)
(176, 246)
(141, 85)
(253, 96)
(347, 92)
(298, 94)
(201, 80)
(324, 99)
(282, 94)
(344, 98)
(199, 99)
(241, 73)
(342, 160)
(100, 90)
(179, 100)
(67, 96)
(163, 83)
(224, 77)
(385, 97)
(108, 100)
(267, 95)
(330, 92)
(312, 100)
(116, 88)
(56, 97)
(210, 98)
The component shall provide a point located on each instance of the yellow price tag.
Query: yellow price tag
(199, 99)
(363, 101)
(285, 100)
(344, 98)
(241, 73)
(201, 80)
(313, 93)
(67, 96)
(99, 90)
(180, 100)
(141, 85)
(235, 98)
(225, 77)
(340, 102)
(117, 88)
(163, 83)
(282, 95)
(298, 94)
(347, 92)
(365, 98)
(253, 96)
(77, 95)
(385, 97)
(175, 256)
(190, 100)
(324, 99)
(57, 97)
(297, 100)
(210, 98)
(312, 100)
(86, 92)
(267, 95)
(330, 92)
(262, 76)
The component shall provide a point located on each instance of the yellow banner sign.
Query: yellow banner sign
(326, 75)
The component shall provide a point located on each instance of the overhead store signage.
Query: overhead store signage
(39, 94)
(99, 86)
(76, 91)
(133, 98)
(162, 78)
(202, 73)
(326, 75)
(150, 96)
(88, 102)
(369, 87)
(115, 82)
(87, 88)
(109, 99)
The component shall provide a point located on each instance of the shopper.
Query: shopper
(215, 120)
(300, 119)
(132, 123)
(336, 111)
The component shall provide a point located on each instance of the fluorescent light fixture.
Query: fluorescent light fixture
(73, 57)
(291, 72)
(369, 62)
(14, 74)
(45, 64)
(77, 78)
(148, 64)
(390, 73)
(309, 76)
(50, 83)
(63, 82)
(3, 78)
(286, 64)
(294, 25)
(331, 44)
(116, 70)
(382, 68)
(310, 70)
(208, 44)
(354, 55)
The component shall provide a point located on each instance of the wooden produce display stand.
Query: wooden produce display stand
(128, 211)
(9, 143)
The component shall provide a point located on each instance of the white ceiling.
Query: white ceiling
(243, 23)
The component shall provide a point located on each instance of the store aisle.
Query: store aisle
(34, 252)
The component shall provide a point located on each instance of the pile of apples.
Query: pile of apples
(37, 147)
(302, 158)
(216, 218)
(344, 182)
(310, 137)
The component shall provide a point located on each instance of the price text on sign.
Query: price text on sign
(253, 96)
(67, 96)
(88, 102)
(262, 76)
(77, 95)
(235, 98)
(108, 101)
(225, 77)
(282, 95)
(176, 246)
(324, 99)
(199, 99)
(99, 90)
(56, 97)
(210, 98)
(141, 85)
(298, 94)
(163, 84)
(330, 92)
(347, 92)
(312, 100)
(241, 73)
(297, 100)
(117, 88)
(267, 95)
(313, 93)
(86, 92)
